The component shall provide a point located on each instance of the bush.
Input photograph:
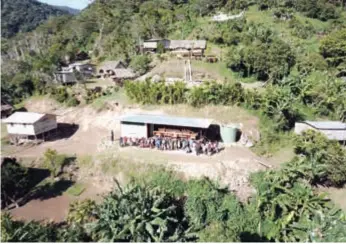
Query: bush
(310, 62)
(60, 94)
(321, 152)
(72, 102)
(81, 212)
(140, 64)
(333, 47)
(302, 30)
(54, 161)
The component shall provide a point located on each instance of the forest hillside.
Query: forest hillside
(23, 16)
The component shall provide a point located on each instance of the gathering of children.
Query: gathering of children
(201, 146)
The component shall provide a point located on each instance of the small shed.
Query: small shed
(116, 70)
(108, 67)
(64, 77)
(30, 125)
(148, 125)
(333, 130)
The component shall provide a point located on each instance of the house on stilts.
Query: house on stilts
(30, 126)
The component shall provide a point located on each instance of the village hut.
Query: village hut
(30, 126)
(116, 70)
(193, 48)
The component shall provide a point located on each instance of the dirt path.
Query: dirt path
(52, 209)
(55, 208)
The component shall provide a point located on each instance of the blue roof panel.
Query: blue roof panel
(167, 120)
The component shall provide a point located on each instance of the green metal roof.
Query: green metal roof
(167, 120)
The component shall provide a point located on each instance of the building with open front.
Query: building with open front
(193, 48)
(148, 125)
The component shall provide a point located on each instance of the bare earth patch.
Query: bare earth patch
(231, 167)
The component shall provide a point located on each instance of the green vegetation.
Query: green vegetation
(14, 181)
(324, 161)
(18, 16)
(76, 189)
(54, 161)
(81, 212)
(140, 64)
(333, 48)
(161, 207)
(277, 41)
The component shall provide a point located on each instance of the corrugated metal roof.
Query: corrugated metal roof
(24, 118)
(176, 44)
(124, 73)
(111, 65)
(167, 120)
(188, 44)
(327, 125)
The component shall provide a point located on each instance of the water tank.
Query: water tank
(228, 133)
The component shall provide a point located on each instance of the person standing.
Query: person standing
(112, 136)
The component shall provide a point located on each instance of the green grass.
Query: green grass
(85, 161)
(3, 131)
(76, 189)
(32, 98)
(219, 71)
(119, 97)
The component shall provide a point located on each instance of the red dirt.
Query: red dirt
(53, 209)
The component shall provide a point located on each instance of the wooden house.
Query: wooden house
(116, 70)
(192, 48)
(29, 125)
(67, 76)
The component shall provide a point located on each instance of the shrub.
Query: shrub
(140, 64)
(72, 102)
(60, 94)
(81, 212)
(333, 47)
(54, 161)
(321, 152)
(302, 30)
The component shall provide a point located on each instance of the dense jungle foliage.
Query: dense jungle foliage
(161, 207)
(23, 16)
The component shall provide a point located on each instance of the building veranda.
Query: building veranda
(170, 133)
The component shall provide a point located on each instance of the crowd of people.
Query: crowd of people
(202, 146)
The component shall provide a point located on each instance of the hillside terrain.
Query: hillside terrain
(23, 16)
(279, 62)
(67, 9)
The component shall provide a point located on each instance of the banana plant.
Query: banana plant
(139, 214)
